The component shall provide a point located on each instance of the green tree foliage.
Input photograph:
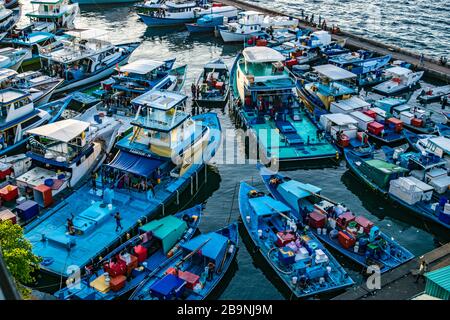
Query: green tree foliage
(17, 253)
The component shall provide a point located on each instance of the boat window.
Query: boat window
(27, 124)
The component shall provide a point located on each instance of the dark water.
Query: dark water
(247, 279)
(418, 25)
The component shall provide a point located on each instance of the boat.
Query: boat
(180, 12)
(414, 118)
(12, 58)
(263, 97)
(32, 41)
(251, 24)
(58, 14)
(18, 114)
(84, 59)
(11, 3)
(207, 23)
(8, 19)
(413, 138)
(403, 79)
(196, 271)
(213, 84)
(433, 94)
(391, 181)
(149, 6)
(122, 270)
(294, 253)
(333, 85)
(97, 2)
(40, 86)
(356, 237)
(162, 158)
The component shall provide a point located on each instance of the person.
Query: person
(69, 224)
(117, 217)
(444, 102)
(193, 90)
(422, 59)
(421, 272)
(211, 268)
(94, 180)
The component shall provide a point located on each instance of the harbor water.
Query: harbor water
(249, 278)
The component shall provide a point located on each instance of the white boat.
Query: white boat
(12, 58)
(64, 152)
(59, 14)
(251, 24)
(179, 12)
(403, 79)
(40, 86)
(8, 19)
(83, 59)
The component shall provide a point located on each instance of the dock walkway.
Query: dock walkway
(399, 284)
(431, 66)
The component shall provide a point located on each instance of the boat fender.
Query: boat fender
(248, 219)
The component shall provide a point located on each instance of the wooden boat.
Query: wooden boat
(335, 225)
(195, 271)
(297, 257)
(390, 180)
(213, 84)
(157, 243)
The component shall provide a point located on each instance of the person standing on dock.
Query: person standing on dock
(444, 102)
(117, 217)
(422, 60)
(421, 272)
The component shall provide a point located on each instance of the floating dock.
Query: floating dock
(431, 66)
(399, 284)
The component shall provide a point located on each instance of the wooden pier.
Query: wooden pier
(399, 283)
(433, 68)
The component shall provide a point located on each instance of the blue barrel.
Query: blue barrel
(49, 182)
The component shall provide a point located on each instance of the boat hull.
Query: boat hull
(164, 22)
(96, 2)
(196, 28)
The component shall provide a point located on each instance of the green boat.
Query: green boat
(264, 101)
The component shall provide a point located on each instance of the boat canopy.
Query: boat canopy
(298, 189)
(262, 54)
(352, 103)
(86, 34)
(138, 165)
(216, 64)
(142, 66)
(341, 119)
(214, 249)
(8, 96)
(398, 71)
(64, 130)
(441, 142)
(6, 74)
(266, 205)
(333, 72)
(168, 229)
(161, 100)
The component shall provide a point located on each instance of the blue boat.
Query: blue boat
(14, 121)
(127, 266)
(334, 49)
(411, 193)
(195, 271)
(213, 85)
(154, 166)
(347, 60)
(262, 97)
(207, 23)
(295, 254)
(414, 139)
(335, 225)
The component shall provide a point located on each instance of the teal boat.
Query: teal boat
(352, 235)
(196, 271)
(263, 98)
(294, 253)
(128, 265)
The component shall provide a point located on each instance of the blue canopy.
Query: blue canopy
(266, 205)
(135, 164)
(213, 249)
(298, 189)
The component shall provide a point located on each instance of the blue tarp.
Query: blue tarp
(298, 189)
(213, 249)
(166, 285)
(135, 164)
(266, 205)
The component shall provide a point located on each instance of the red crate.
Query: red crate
(346, 240)
(117, 283)
(360, 136)
(417, 122)
(9, 193)
(317, 219)
(284, 238)
(365, 223)
(191, 278)
(398, 124)
(6, 214)
(344, 219)
(261, 42)
(291, 62)
(375, 128)
(343, 141)
(370, 113)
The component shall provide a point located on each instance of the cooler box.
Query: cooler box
(42, 194)
(9, 193)
(5, 173)
(168, 287)
(317, 219)
(116, 269)
(365, 223)
(27, 210)
(344, 219)
(117, 283)
(261, 42)
(191, 279)
(315, 272)
(6, 214)
(286, 256)
(284, 238)
(219, 85)
(141, 253)
(132, 264)
(396, 123)
(417, 122)
(360, 136)
(375, 128)
(346, 240)
(370, 113)
(344, 140)
(292, 62)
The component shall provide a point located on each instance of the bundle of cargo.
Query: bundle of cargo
(395, 124)
(410, 190)
(362, 119)
(381, 172)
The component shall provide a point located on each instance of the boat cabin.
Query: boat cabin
(248, 22)
(6, 76)
(340, 126)
(49, 11)
(349, 105)
(265, 208)
(15, 106)
(316, 39)
(295, 192)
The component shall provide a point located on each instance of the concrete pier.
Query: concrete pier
(431, 66)
(399, 284)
